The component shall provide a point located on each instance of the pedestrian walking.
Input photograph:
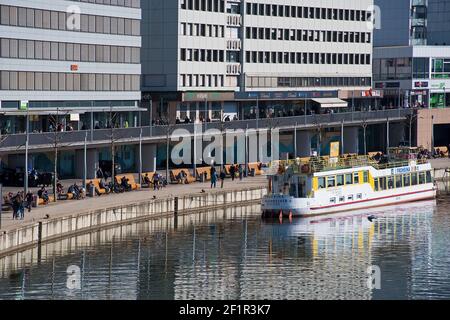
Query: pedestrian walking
(222, 178)
(213, 179)
(29, 201)
(232, 172)
(241, 172)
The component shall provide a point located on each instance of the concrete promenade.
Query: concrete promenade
(74, 207)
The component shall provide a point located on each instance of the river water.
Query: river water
(233, 254)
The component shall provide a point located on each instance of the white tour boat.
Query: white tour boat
(322, 185)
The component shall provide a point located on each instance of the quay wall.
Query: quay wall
(36, 233)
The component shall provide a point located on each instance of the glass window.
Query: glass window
(407, 180)
(398, 181)
(340, 180)
(429, 177)
(356, 178)
(331, 182)
(366, 176)
(414, 179)
(421, 177)
(376, 184)
(321, 183)
(391, 182)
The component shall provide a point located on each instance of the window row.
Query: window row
(307, 35)
(201, 80)
(306, 82)
(203, 55)
(202, 30)
(342, 180)
(402, 180)
(307, 58)
(45, 50)
(204, 5)
(45, 19)
(119, 3)
(275, 10)
(52, 81)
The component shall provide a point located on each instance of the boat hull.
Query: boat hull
(275, 205)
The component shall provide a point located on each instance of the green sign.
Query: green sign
(23, 105)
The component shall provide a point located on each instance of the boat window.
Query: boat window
(332, 200)
(414, 179)
(350, 198)
(359, 196)
(421, 177)
(429, 177)
(366, 176)
(406, 180)
(398, 182)
(321, 183)
(376, 184)
(348, 178)
(331, 182)
(391, 182)
(356, 178)
(383, 183)
(340, 180)
(341, 199)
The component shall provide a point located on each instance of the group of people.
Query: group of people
(19, 202)
(233, 171)
(158, 181)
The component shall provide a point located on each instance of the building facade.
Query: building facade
(74, 60)
(209, 59)
(412, 63)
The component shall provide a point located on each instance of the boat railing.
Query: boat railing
(311, 165)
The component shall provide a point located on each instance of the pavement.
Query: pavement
(75, 207)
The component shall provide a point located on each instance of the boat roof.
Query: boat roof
(313, 165)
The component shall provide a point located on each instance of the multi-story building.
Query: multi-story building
(208, 59)
(412, 62)
(76, 59)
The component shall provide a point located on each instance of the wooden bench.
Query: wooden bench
(204, 172)
(40, 201)
(131, 181)
(96, 183)
(150, 176)
(443, 149)
(175, 172)
(227, 169)
(255, 166)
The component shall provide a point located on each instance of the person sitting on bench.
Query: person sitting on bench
(147, 180)
(124, 183)
(103, 185)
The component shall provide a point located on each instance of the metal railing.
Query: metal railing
(47, 139)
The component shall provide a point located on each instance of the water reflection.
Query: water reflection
(233, 254)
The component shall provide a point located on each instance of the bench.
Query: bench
(256, 167)
(175, 172)
(131, 181)
(443, 149)
(96, 183)
(40, 201)
(150, 176)
(204, 172)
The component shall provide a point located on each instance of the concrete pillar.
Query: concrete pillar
(148, 157)
(92, 163)
(303, 143)
(351, 140)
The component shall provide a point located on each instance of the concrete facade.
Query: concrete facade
(266, 45)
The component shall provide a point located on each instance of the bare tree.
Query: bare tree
(113, 139)
(364, 125)
(168, 128)
(410, 120)
(56, 139)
